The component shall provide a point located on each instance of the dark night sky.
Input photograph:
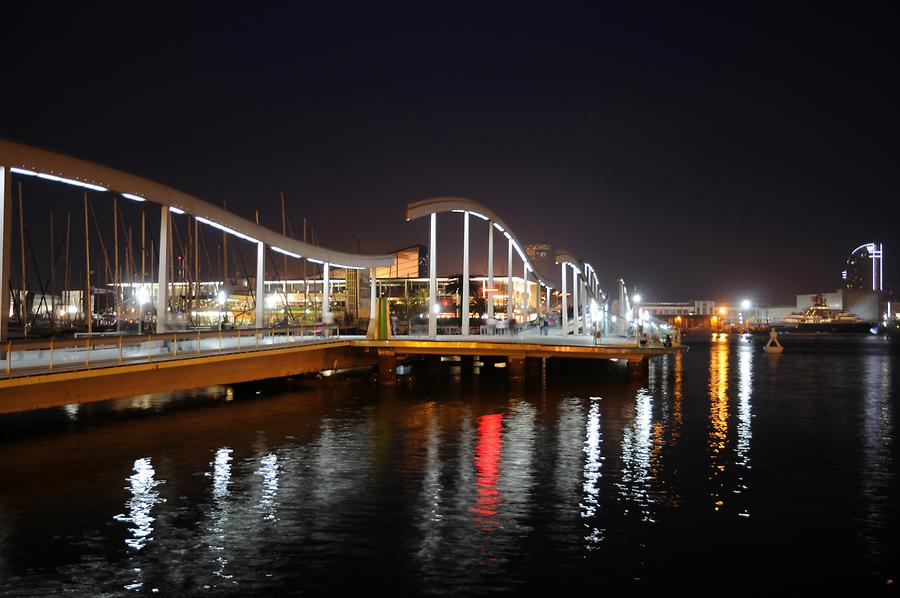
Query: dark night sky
(700, 152)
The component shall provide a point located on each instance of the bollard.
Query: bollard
(51, 355)
(120, 349)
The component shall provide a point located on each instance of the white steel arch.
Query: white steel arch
(16, 158)
(438, 205)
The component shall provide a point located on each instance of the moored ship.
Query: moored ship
(819, 317)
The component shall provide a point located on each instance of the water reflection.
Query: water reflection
(517, 468)
(878, 474)
(144, 496)
(677, 396)
(718, 419)
(220, 512)
(72, 411)
(744, 422)
(636, 455)
(268, 469)
(431, 497)
(466, 490)
(593, 461)
(487, 471)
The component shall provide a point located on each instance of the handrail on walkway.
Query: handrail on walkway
(28, 357)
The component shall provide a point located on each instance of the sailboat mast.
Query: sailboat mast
(86, 300)
(143, 263)
(225, 251)
(23, 308)
(52, 275)
(116, 280)
(68, 299)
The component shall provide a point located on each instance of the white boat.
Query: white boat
(821, 318)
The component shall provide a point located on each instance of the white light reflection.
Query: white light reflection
(221, 473)
(878, 471)
(269, 471)
(592, 464)
(431, 497)
(72, 411)
(636, 455)
(144, 496)
(221, 478)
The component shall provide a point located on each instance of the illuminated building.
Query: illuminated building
(865, 268)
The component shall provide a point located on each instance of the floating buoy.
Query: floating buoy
(773, 346)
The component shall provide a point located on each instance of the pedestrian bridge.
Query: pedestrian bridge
(57, 371)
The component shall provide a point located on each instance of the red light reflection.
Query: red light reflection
(487, 470)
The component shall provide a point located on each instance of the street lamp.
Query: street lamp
(746, 304)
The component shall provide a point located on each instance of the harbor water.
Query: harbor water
(725, 469)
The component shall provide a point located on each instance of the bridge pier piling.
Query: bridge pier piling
(467, 366)
(515, 365)
(534, 367)
(639, 369)
(387, 367)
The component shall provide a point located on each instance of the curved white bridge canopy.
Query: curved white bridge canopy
(438, 205)
(25, 159)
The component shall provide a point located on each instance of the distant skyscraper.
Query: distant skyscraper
(865, 268)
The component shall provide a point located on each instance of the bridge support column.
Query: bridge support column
(466, 366)
(432, 278)
(638, 368)
(5, 246)
(162, 291)
(564, 303)
(534, 366)
(260, 285)
(373, 292)
(584, 307)
(387, 366)
(525, 291)
(490, 300)
(326, 298)
(464, 295)
(547, 301)
(575, 304)
(509, 288)
(515, 365)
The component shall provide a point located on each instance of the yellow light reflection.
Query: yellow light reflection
(718, 419)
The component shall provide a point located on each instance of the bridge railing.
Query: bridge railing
(30, 357)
